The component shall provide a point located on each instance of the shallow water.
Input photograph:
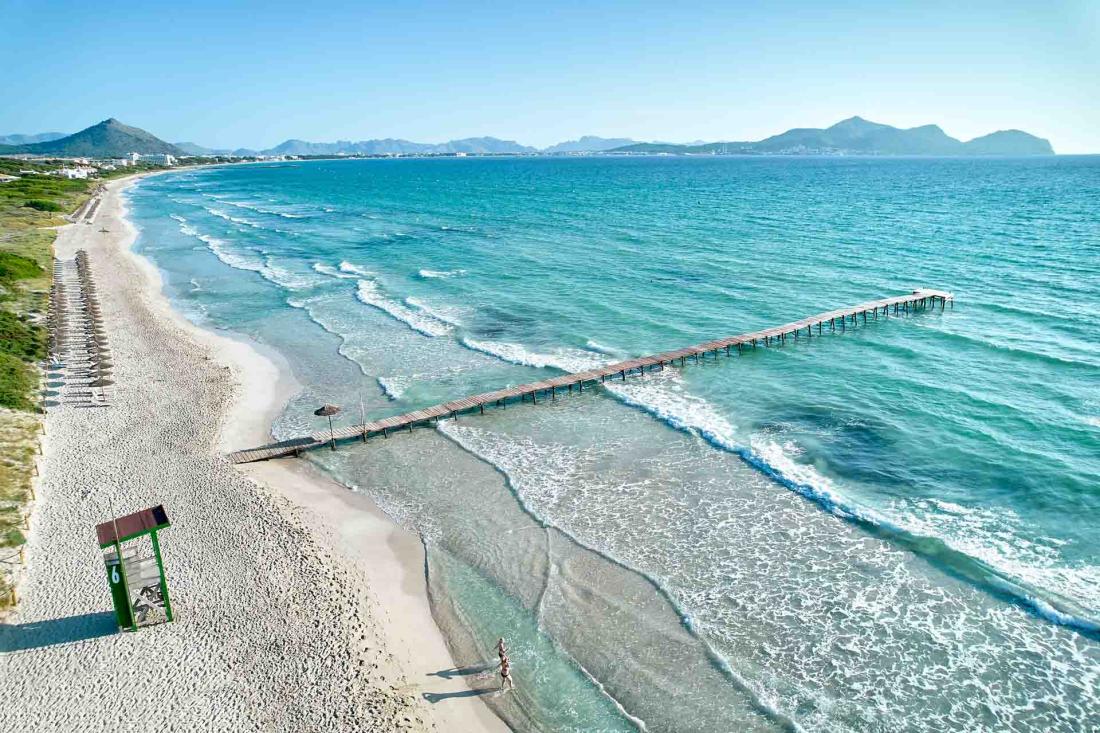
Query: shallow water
(889, 527)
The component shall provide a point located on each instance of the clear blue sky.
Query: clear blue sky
(239, 74)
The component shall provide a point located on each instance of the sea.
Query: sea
(895, 526)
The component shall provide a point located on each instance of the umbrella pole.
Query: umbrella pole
(331, 434)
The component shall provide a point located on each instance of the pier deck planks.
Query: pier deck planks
(831, 319)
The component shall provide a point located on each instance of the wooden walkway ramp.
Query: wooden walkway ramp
(842, 317)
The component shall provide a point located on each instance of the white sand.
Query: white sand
(299, 606)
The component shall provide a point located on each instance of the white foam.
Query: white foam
(393, 387)
(570, 360)
(370, 294)
(247, 261)
(438, 274)
(235, 219)
(332, 272)
(261, 210)
(603, 349)
(447, 315)
(348, 267)
(991, 537)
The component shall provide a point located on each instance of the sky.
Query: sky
(231, 75)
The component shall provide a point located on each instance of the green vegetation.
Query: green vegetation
(42, 205)
(21, 339)
(18, 437)
(30, 209)
(17, 382)
(29, 214)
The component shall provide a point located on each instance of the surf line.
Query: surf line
(917, 301)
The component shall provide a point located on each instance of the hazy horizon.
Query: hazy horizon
(246, 77)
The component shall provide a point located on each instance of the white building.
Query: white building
(77, 172)
(158, 159)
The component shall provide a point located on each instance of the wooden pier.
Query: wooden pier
(830, 321)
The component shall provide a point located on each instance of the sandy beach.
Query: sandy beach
(299, 605)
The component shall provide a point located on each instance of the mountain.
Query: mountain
(857, 136)
(196, 149)
(42, 137)
(589, 144)
(1009, 142)
(485, 145)
(109, 138)
(391, 146)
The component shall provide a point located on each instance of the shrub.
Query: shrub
(17, 267)
(24, 340)
(17, 381)
(43, 205)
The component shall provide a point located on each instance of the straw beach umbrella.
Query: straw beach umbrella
(328, 411)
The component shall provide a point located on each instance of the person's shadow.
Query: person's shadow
(39, 634)
(434, 697)
(460, 671)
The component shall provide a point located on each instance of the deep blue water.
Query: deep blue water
(890, 527)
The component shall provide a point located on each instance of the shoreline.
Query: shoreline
(330, 627)
(390, 557)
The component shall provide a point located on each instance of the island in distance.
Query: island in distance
(853, 136)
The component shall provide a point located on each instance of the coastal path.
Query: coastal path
(903, 304)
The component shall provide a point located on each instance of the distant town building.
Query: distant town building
(158, 159)
(77, 172)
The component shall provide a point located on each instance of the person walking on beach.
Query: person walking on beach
(502, 651)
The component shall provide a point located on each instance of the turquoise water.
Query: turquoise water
(891, 527)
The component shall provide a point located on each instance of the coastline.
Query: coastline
(389, 556)
(379, 644)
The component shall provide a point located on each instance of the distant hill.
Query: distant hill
(109, 138)
(195, 149)
(391, 146)
(589, 144)
(42, 137)
(857, 136)
(1009, 142)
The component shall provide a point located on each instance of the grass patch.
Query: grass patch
(27, 341)
(43, 205)
(18, 267)
(18, 381)
(18, 439)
